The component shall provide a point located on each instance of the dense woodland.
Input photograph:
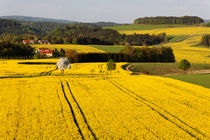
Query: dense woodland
(81, 34)
(129, 54)
(9, 50)
(13, 27)
(16, 31)
(188, 20)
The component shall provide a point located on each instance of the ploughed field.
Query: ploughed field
(37, 102)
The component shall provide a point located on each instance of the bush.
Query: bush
(111, 65)
(37, 56)
(206, 40)
(184, 64)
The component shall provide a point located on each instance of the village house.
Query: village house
(26, 42)
(45, 51)
(44, 42)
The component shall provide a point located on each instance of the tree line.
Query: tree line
(81, 34)
(9, 50)
(188, 20)
(129, 54)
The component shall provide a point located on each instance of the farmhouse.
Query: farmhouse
(44, 42)
(45, 51)
(28, 42)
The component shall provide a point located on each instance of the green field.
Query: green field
(163, 68)
(176, 38)
(171, 68)
(108, 48)
(199, 79)
(143, 27)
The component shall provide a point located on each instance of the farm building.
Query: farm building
(28, 42)
(44, 42)
(45, 51)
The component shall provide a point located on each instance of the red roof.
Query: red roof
(44, 49)
(26, 40)
(46, 52)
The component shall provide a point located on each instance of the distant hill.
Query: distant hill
(14, 27)
(48, 20)
(17, 28)
(36, 19)
(107, 24)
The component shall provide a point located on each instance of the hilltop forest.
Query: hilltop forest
(188, 20)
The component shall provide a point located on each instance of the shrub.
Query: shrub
(37, 56)
(111, 65)
(184, 64)
(206, 40)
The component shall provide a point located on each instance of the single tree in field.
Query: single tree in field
(111, 65)
(63, 64)
(184, 64)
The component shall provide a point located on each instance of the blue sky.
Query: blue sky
(122, 11)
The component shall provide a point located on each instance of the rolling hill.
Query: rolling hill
(36, 19)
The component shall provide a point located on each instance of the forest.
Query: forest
(16, 31)
(81, 34)
(188, 20)
(11, 50)
(128, 54)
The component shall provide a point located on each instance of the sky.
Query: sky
(121, 11)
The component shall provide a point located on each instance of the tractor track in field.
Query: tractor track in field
(62, 109)
(193, 132)
(186, 90)
(72, 112)
(147, 128)
(81, 112)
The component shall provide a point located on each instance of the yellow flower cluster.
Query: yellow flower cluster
(173, 31)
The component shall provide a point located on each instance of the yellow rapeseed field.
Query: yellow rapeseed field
(188, 48)
(78, 48)
(191, 50)
(173, 31)
(90, 103)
